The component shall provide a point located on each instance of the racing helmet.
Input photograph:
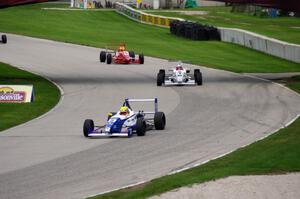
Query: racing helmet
(179, 67)
(124, 110)
(121, 47)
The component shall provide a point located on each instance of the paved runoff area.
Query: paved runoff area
(50, 158)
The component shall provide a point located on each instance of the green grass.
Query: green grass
(99, 29)
(46, 97)
(278, 153)
(294, 83)
(282, 28)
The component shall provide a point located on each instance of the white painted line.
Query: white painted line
(124, 187)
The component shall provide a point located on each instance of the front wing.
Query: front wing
(99, 131)
(124, 61)
(189, 83)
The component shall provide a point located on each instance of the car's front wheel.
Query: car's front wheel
(140, 127)
(88, 126)
(159, 121)
(198, 76)
(108, 58)
(160, 78)
(4, 39)
(102, 56)
(162, 71)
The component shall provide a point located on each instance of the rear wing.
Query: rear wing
(154, 100)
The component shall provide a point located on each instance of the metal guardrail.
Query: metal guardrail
(143, 17)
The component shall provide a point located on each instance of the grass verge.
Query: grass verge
(278, 153)
(282, 28)
(99, 29)
(293, 83)
(47, 96)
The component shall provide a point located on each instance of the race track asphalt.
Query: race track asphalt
(49, 157)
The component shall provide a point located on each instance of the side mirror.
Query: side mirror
(188, 71)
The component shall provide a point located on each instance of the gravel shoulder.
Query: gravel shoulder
(246, 187)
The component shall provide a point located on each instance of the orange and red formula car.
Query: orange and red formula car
(121, 56)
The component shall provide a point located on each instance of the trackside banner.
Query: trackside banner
(16, 93)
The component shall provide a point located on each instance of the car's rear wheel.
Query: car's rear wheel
(159, 121)
(140, 127)
(141, 58)
(132, 54)
(198, 76)
(4, 39)
(88, 126)
(160, 78)
(102, 56)
(108, 58)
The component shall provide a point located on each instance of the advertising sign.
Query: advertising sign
(16, 93)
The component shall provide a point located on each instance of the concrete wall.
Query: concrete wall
(261, 43)
(204, 3)
(201, 3)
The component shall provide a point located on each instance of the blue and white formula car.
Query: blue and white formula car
(127, 122)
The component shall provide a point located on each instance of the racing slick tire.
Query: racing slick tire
(87, 127)
(102, 56)
(141, 58)
(162, 71)
(4, 39)
(108, 58)
(160, 78)
(132, 54)
(198, 76)
(159, 121)
(141, 127)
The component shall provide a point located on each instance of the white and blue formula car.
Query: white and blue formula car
(178, 76)
(127, 122)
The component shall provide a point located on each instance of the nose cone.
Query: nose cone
(180, 79)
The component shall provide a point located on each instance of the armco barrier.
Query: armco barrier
(261, 43)
(143, 17)
(245, 38)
